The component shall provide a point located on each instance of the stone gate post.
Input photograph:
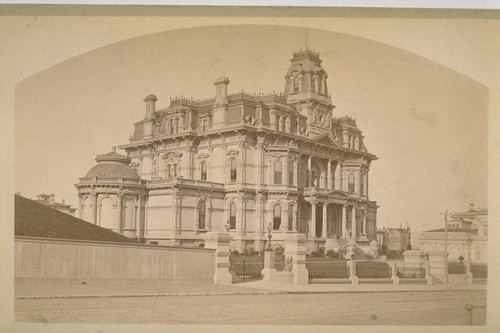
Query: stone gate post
(220, 242)
(352, 272)
(295, 247)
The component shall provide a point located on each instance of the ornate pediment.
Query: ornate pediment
(327, 139)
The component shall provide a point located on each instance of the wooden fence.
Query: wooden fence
(53, 258)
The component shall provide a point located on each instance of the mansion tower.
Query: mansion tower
(241, 162)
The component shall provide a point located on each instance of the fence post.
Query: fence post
(295, 247)
(352, 272)
(428, 276)
(220, 242)
(394, 273)
(468, 314)
(470, 277)
(269, 270)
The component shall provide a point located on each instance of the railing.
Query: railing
(246, 268)
(328, 269)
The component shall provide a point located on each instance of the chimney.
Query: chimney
(221, 102)
(150, 101)
(52, 199)
(471, 207)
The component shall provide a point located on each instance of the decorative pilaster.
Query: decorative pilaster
(119, 212)
(284, 217)
(93, 196)
(329, 175)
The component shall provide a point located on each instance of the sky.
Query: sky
(427, 123)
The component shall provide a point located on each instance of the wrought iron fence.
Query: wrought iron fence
(246, 268)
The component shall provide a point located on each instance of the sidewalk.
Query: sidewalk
(53, 288)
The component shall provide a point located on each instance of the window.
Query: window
(277, 125)
(169, 175)
(176, 125)
(170, 126)
(204, 124)
(203, 171)
(296, 84)
(290, 173)
(174, 170)
(320, 85)
(350, 184)
(478, 252)
(362, 184)
(232, 168)
(232, 216)
(277, 172)
(277, 217)
(201, 215)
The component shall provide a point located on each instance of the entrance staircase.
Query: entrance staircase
(437, 279)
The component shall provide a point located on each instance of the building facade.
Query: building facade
(394, 240)
(467, 236)
(241, 162)
(50, 200)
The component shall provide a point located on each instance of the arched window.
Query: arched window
(174, 170)
(204, 124)
(277, 217)
(232, 216)
(320, 85)
(176, 125)
(169, 175)
(290, 173)
(203, 171)
(201, 215)
(277, 172)
(232, 168)
(296, 84)
(277, 125)
(170, 126)
(350, 184)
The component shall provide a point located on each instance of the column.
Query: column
(312, 222)
(364, 221)
(366, 184)
(325, 220)
(136, 224)
(209, 211)
(296, 171)
(80, 206)
(294, 217)
(285, 170)
(119, 212)
(309, 172)
(243, 162)
(344, 221)
(94, 208)
(354, 224)
(174, 211)
(329, 175)
(338, 177)
(284, 217)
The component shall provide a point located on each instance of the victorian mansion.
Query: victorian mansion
(241, 162)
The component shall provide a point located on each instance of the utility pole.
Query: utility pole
(445, 249)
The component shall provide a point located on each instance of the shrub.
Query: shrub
(461, 258)
(369, 256)
(332, 254)
(321, 252)
(279, 250)
(201, 245)
(235, 253)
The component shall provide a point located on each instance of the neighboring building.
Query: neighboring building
(467, 236)
(396, 240)
(50, 200)
(239, 160)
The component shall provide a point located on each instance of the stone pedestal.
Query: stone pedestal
(220, 242)
(331, 244)
(295, 247)
(352, 272)
(437, 263)
(394, 273)
(351, 244)
(269, 270)
(414, 261)
(363, 239)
